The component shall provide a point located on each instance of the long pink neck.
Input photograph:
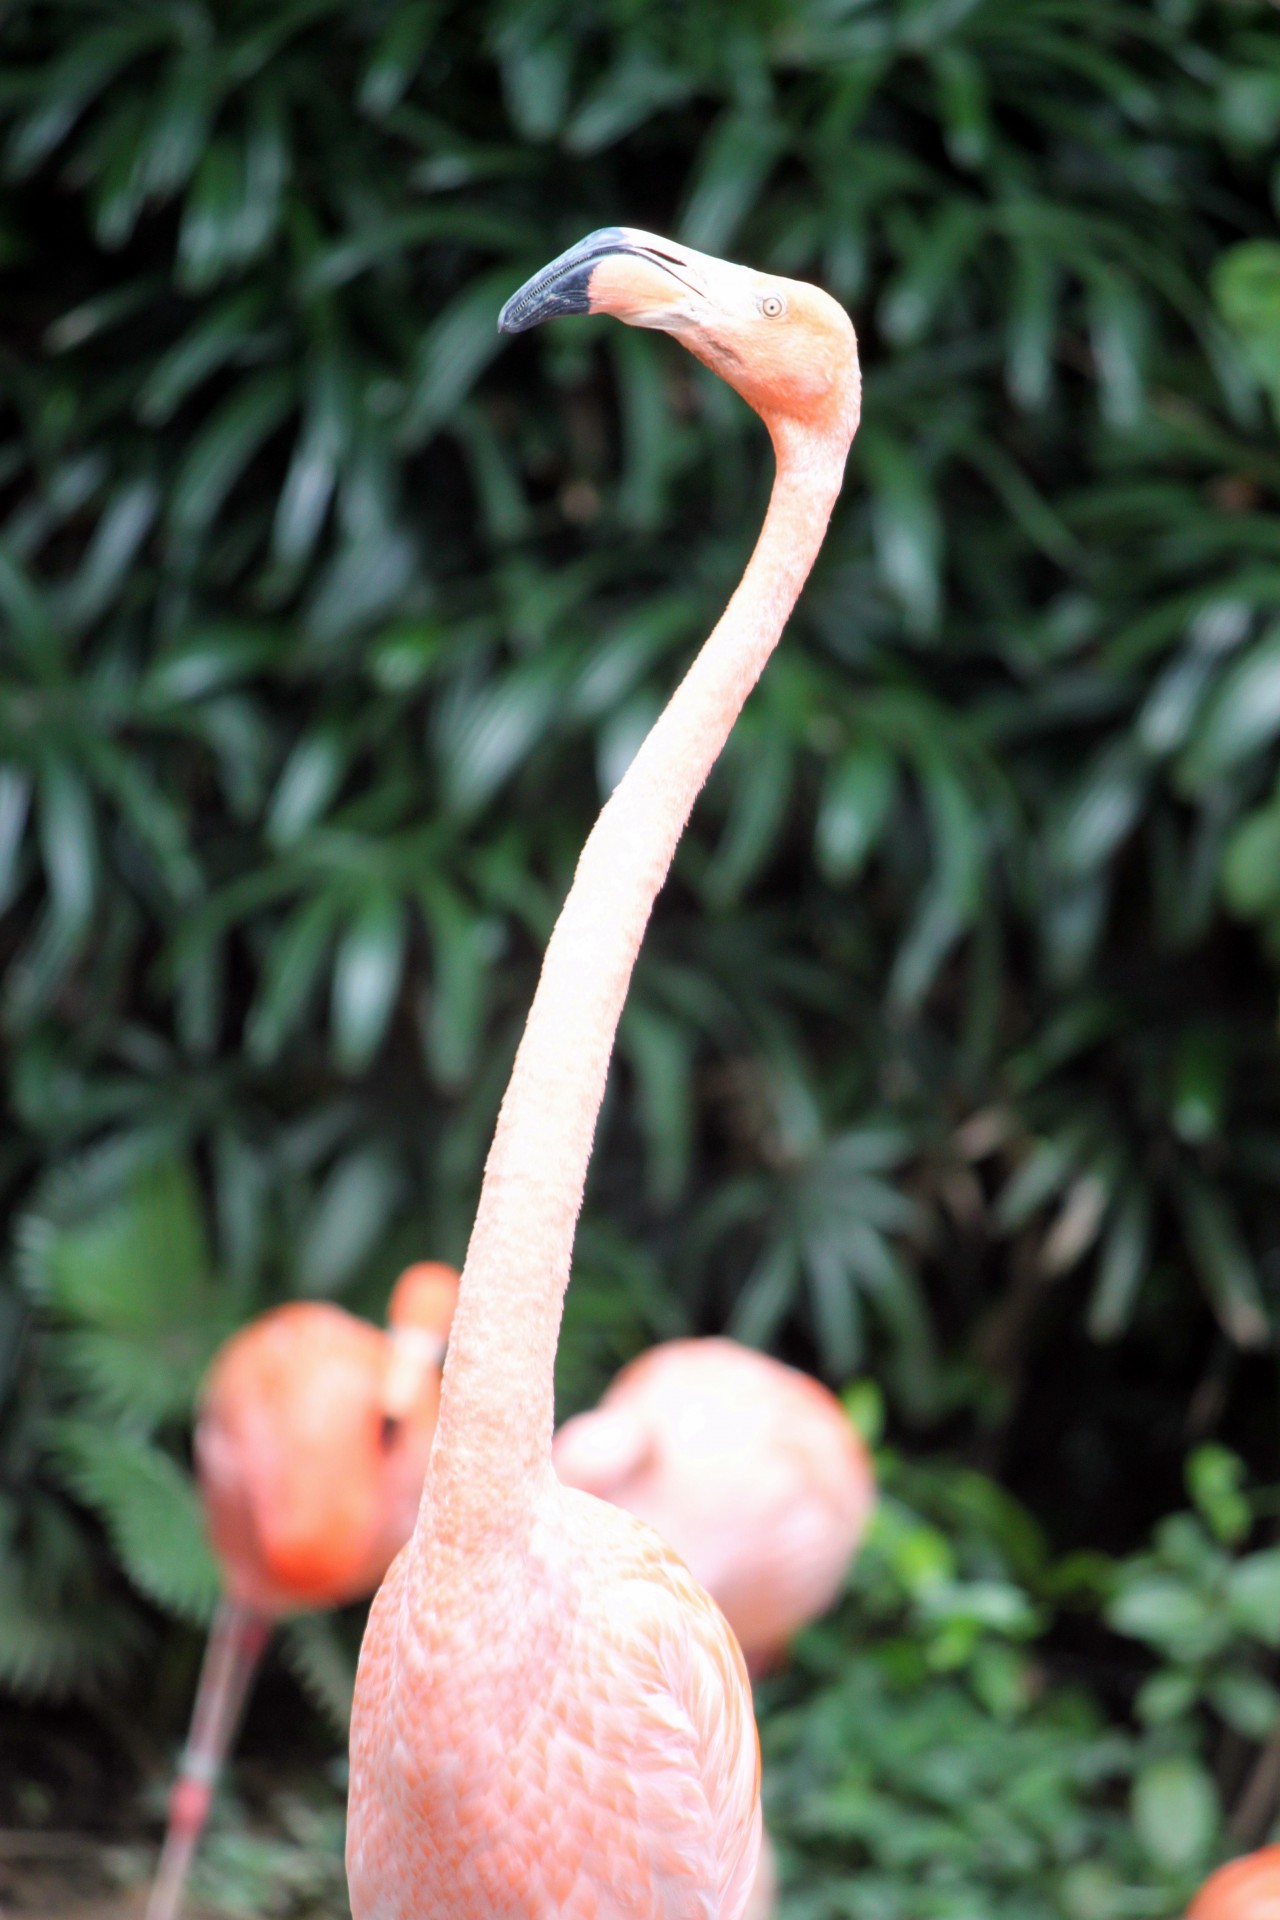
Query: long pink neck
(493, 1441)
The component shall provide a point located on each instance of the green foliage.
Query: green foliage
(150, 1511)
(326, 621)
(927, 1761)
(114, 1253)
(324, 1667)
(59, 1632)
(930, 1756)
(1208, 1612)
(1246, 285)
(321, 620)
(288, 1865)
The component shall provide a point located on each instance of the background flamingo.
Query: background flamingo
(551, 1717)
(750, 1470)
(1245, 1889)
(311, 1445)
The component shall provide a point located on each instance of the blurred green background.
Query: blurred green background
(951, 1066)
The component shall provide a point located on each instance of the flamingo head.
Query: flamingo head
(419, 1316)
(787, 347)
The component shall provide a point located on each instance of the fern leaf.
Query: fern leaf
(54, 1655)
(126, 1255)
(149, 1507)
(115, 1376)
(323, 1665)
(60, 1636)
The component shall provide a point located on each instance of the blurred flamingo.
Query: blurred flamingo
(551, 1717)
(1245, 1889)
(750, 1470)
(311, 1446)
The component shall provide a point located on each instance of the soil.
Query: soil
(80, 1800)
(74, 1888)
(66, 1812)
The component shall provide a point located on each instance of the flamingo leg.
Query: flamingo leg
(235, 1646)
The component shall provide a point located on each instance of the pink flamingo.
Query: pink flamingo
(750, 1470)
(1245, 1889)
(551, 1717)
(311, 1446)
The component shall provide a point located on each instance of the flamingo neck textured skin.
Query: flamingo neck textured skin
(798, 367)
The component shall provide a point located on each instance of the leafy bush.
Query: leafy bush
(930, 1754)
(931, 1766)
(933, 1753)
(952, 1054)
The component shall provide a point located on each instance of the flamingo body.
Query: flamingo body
(311, 1444)
(306, 1500)
(748, 1468)
(1245, 1889)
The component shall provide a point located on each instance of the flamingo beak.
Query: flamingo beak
(637, 277)
(415, 1354)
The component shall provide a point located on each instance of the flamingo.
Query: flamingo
(311, 1446)
(749, 1469)
(551, 1717)
(1245, 1889)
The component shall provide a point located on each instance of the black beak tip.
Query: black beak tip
(520, 314)
(563, 286)
(509, 320)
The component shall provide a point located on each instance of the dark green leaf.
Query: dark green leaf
(367, 970)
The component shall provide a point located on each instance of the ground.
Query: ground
(80, 1812)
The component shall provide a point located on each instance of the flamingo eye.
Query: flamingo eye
(773, 304)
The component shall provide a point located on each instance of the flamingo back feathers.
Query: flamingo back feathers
(603, 1763)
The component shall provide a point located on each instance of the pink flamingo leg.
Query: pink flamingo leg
(236, 1642)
